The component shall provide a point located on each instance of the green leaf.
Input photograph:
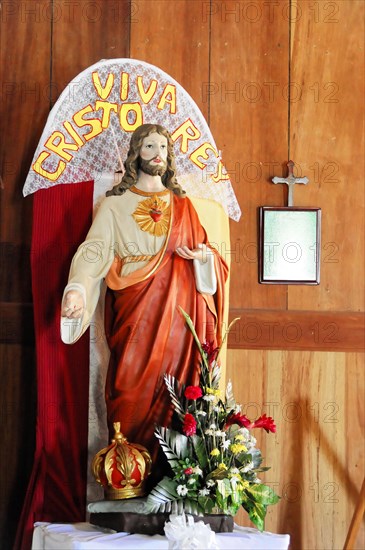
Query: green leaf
(174, 445)
(262, 494)
(242, 459)
(191, 507)
(200, 450)
(206, 504)
(190, 324)
(256, 457)
(218, 473)
(226, 335)
(257, 513)
(224, 488)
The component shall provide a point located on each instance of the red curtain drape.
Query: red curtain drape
(62, 216)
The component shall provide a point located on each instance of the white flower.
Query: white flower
(226, 444)
(234, 474)
(248, 467)
(212, 426)
(197, 471)
(201, 413)
(210, 483)
(191, 481)
(209, 432)
(209, 397)
(233, 480)
(182, 490)
(204, 492)
(216, 408)
(219, 433)
(250, 443)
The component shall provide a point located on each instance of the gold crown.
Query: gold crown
(122, 468)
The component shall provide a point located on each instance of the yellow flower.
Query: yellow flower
(239, 437)
(215, 452)
(222, 466)
(244, 485)
(211, 391)
(236, 448)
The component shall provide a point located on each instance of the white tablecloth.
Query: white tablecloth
(84, 536)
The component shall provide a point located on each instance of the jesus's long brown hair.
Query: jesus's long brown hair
(132, 163)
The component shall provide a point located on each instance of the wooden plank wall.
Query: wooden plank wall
(275, 80)
(23, 113)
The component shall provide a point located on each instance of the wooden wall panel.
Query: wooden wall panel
(17, 433)
(25, 68)
(85, 32)
(316, 456)
(354, 451)
(25, 64)
(297, 330)
(327, 141)
(249, 65)
(175, 38)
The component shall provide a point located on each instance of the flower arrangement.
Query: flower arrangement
(213, 457)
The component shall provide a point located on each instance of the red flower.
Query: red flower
(193, 392)
(210, 351)
(239, 419)
(188, 471)
(265, 422)
(189, 425)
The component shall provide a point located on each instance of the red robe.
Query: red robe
(147, 334)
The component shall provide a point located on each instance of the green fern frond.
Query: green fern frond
(174, 445)
(216, 376)
(161, 497)
(173, 388)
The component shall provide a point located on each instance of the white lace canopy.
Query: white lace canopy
(88, 131)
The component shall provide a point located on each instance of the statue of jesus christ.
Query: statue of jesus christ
(148, 244)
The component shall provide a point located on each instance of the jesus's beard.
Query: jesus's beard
(152, 169)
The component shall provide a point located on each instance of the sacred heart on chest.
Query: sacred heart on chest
(156, 214)
(153, 215)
